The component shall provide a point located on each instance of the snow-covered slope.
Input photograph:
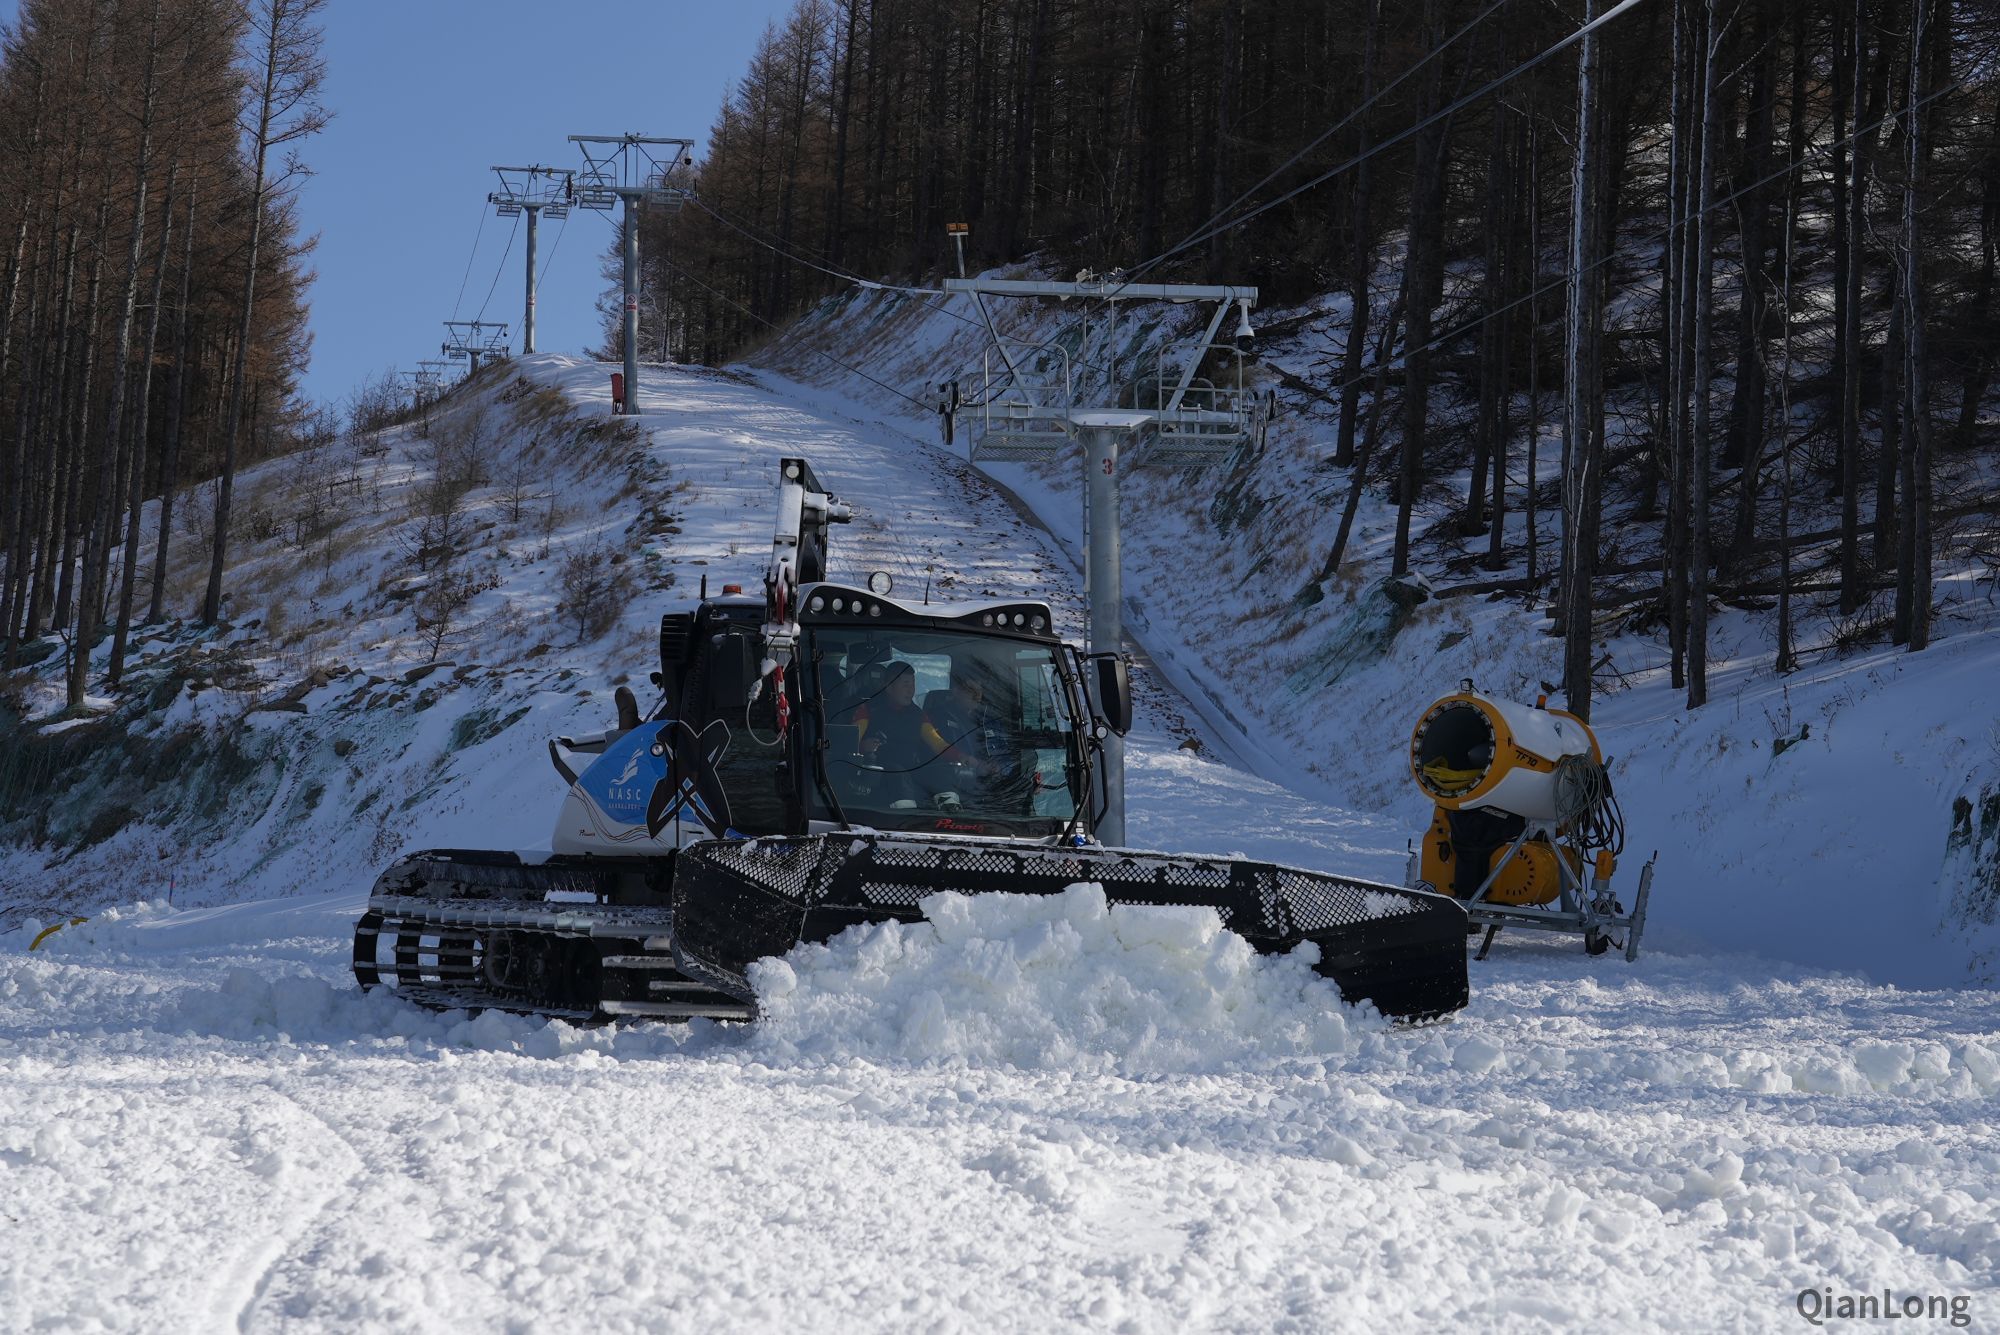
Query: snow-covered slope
(1026, 1115)
(1802, 817)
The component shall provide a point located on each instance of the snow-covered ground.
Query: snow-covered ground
(1026, 1115)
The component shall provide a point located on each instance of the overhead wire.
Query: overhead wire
(1450, 109)
(1213, 227)
(554, 245)
(903, 553)
(765, 320)
(883, 384)
(478, 233)
(775, 248)
(1323, 136)
(499, 268)
(1460, 330)
(843, 274)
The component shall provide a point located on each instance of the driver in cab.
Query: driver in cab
(894, 732)
(897, 734)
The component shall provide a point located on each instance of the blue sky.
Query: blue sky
(427, 95)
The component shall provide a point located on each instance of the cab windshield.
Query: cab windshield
(944, 731)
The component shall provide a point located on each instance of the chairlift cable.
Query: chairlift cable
(554, 245)
(479, 232)
(1460, 330)
(1450, 109)
(841, 274)
(499, 268)
(1327, 133)
(867, 283)
(782, 330)
(895, 538)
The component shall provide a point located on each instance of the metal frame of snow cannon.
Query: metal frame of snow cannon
(1488, 764)
(1590, 910)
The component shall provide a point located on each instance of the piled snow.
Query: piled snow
(1052, 982)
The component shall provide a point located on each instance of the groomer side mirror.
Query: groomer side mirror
(1114, 691)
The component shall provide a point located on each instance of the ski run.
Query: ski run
(1022, 1114)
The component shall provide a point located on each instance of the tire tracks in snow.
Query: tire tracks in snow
(251, 1279)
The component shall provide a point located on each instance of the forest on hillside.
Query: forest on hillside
(1764, 233)
(152, 294)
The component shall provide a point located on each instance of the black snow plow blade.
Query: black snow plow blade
(737, 901)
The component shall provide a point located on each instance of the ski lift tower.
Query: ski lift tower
(1033, 406)
(641, 170)
(530, 190)
(426, 384)
(473, 340)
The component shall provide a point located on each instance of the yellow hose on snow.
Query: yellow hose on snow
(48, 932)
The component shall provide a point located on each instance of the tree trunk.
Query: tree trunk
(1486, 442)
(1361, 256)
(836, 224)
(55, 484)
(1701, 458)
(1883, 524)
(104, 515)
(1865, 110)
(1531, 484)
(1743, 447)
(211, 604)
(1425, 262)
(25, 495)
(1979, 366)
(135, 501)
(1496, 540)
(1359, 480)
(76, 438)
(1786, 662)
(1583, 436)
(1913, 580)
(1747, 415)
(176, 419)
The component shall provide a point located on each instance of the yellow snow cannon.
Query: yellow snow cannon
(1523, 809)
